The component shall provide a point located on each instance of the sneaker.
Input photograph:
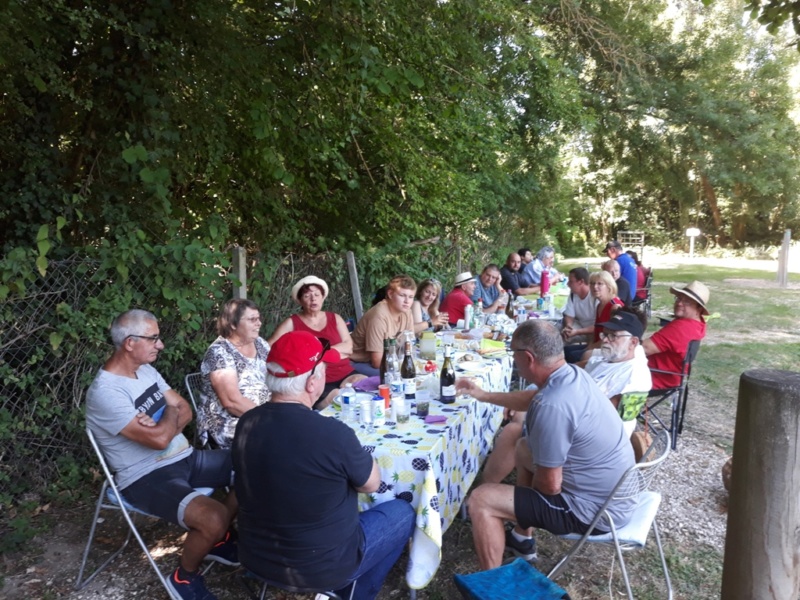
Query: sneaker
(191, 588)
(525, 549)
(225, 551)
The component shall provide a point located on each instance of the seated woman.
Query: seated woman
(234, 371)
(425, 309)
(604, 290)
(310, 292)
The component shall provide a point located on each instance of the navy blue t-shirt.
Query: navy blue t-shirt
(295, 477)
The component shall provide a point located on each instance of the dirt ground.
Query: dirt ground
(47, 569)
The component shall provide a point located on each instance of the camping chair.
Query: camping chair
(192, 382)
(261, 594)
(517, 580)
(645, 304)
(111, 499)
(678, 396)
(634, 484)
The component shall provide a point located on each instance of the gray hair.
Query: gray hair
(545, 252)
(542, 340)
(290, 386)
(129, 323)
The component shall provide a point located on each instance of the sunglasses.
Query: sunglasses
(326, 345)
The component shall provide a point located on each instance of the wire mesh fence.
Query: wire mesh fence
(54, 337)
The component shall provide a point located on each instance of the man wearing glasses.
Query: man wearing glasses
(574, 453)
(619, 366)
(298, 475)
(138, 421)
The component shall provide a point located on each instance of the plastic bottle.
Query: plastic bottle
(348, 403)
(545, 283)
(468, 312)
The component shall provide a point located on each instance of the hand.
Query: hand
(145, 420)
(440, 319)
(508, 414)
(467, 385)
(567, 333)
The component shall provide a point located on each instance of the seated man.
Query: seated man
(624, 291)
(577, 452)
(666, 348)
(544, 261)
(298, 475)
(579, 314)
(489, 291)
(459, 297)
(525, 273)
(137, 420)
(627, 267)
(386, 320)
(510, 279)
(619, 366)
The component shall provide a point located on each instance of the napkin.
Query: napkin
(435, 419)
(370, 384)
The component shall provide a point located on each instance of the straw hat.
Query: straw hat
(463, 278)
(309, 280)
(695, 291)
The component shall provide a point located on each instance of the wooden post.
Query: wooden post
(783, 259)
(354, 285)
(761, 546)
(239, 263)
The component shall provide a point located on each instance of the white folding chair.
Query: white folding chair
(193, 382)
(111, 499)
(634, 484)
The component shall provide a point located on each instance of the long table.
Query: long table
(432, 466)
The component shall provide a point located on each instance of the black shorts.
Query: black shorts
(166, 492)
(329, 387)
(534, 509)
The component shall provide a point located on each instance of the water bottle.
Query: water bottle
(348, 403)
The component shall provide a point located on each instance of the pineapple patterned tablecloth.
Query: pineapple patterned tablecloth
(432, 466)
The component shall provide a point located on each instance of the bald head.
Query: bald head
(513, 261)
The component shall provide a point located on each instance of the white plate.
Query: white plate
(359, 396)
(472, 365)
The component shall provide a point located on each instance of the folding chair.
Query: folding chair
(193, 382)
(111, 499)
(678, 396)
(634, 484)
(646, 303)
(266, 584)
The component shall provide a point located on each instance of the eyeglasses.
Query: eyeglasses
(510, 351)
(153, 338)
(613, 336)
(326, 345)
(253, 319)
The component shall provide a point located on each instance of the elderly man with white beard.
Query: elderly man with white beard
(619, 366)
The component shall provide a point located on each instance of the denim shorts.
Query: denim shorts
(166, 492)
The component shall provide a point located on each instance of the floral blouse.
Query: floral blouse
(212, 417)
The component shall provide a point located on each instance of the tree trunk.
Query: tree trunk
(711, 198)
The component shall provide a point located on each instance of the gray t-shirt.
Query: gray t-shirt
(583, 312)
(111, 403)
(572, 425)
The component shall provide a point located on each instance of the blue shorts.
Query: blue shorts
(166, 492)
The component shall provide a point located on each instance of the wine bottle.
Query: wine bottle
(510, 306)
(447, 378)
(384, 360)
(408, 372)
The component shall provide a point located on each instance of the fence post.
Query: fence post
(761, 545)
(239, 263)
(354, 285)
(783, 259)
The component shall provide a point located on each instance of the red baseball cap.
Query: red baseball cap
(297, 352)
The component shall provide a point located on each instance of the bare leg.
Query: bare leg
(501, 461)
(490, 506)
(208, 520)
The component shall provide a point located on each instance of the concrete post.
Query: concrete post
(783, 259)
(354, 285)
(762, 548)
(239, 264)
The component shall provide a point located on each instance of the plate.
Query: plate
(472, 365)
(359, 397)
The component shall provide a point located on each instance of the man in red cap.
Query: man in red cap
(666, 348)
(298, 475)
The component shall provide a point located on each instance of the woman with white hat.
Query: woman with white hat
(310, 293)
(456, 301)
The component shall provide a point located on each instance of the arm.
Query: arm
(650, 347)
(225, 383)
(514, 400)
(373, 482)
(142, 430)
(345, 347)
(547, 480)
(282, 329)
(420, 325)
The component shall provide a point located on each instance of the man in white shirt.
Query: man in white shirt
(619, 366)
(579, 314)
